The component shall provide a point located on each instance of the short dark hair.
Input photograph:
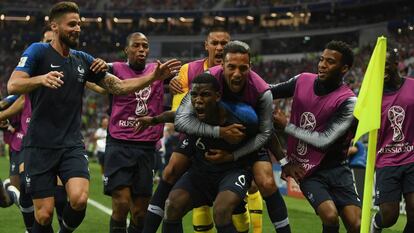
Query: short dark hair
(236, 46)
(393, 51)
(217, 29)
(206, 78)
(344, 49)
(128, 39)
(62, 8)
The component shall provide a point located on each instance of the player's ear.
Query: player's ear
(206, 45)
(126, 51)
(53, 25)
(218, 94)
(344, 69)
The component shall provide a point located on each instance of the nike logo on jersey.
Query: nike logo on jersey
(53, 66)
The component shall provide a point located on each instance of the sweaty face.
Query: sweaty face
(330, 66)
(137, 51)
(68, 28)
(47, 37)
(204, 100)
(236, 70)
(214, 46)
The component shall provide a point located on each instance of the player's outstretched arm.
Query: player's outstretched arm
(20, 82)
(144, 122)
(336, 127)
(116, 86)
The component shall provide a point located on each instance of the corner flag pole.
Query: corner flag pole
(368, 112)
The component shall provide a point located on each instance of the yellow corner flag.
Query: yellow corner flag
(368, 112)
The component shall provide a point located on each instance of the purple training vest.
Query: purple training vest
(17, 136)
(312, 112)
(396, 136)
(126, 108)
(255, 85)
(194, 68)
(26, 114)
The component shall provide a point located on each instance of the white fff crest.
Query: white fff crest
(396, 116)
(308, 122)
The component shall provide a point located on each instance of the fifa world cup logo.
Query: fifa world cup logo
(308, 122)
(396, 115)
(142, 98)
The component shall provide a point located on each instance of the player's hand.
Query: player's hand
(167, 69)
(142, 123)
(99, 65)
(53, 79)
(175, 86)
(218, 156)
(279, 119)
(294, 170)
(232, 134)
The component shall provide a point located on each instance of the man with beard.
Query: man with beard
(395, 156)
(129, 154)
(319, 134)
(205, 182)
(241, 84)
(23, 109)
(54, 75)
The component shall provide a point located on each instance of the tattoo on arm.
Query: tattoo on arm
(111, 84)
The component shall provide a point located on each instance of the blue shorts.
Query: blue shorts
(43, 165)
(131, 166)
(392, 182)
(336, 184)
(203, 188)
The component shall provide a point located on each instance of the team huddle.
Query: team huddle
(229, 130)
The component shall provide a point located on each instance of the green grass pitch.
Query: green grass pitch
(301, 216)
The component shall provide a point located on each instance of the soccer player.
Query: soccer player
(22, 108)
(54, 75)
(202, 220)
(205, 182)
(395, 156)
(241, 84)
(319, 134)
(129, 154)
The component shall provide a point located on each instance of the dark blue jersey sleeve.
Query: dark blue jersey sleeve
(30, 58)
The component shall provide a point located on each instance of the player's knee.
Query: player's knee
(389, 218)
(222, 214)
(266, 185)
(174, 209)
(44, 216)
(330, 218)
(79, 201)
(120, 203)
